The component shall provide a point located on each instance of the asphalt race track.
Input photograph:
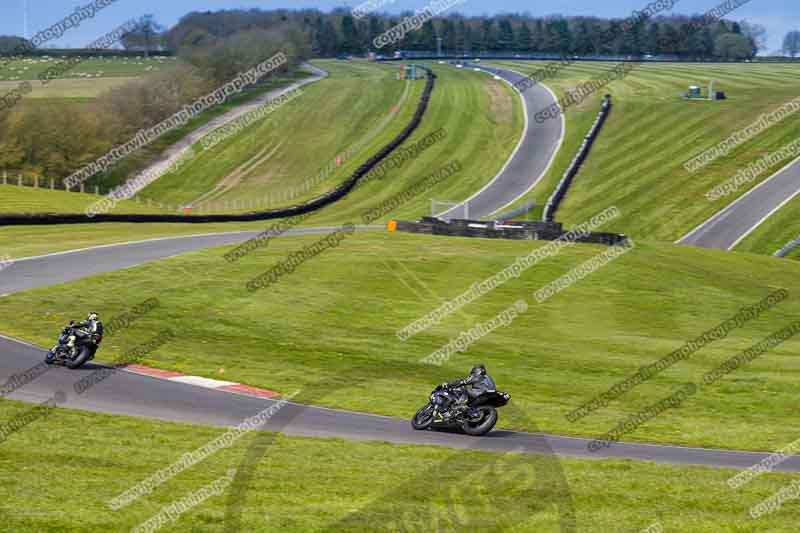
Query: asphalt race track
(30, 273)
(126, 393)
(137, 395)
(731, 225)
(529, 162)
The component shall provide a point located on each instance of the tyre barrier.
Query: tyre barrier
(558, 195)
(525, 231)
(32, 219)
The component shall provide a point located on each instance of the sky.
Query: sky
(778, 16)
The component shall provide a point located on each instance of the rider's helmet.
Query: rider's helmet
(478, 370)
(92, 316)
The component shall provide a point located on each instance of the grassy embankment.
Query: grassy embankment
(338, 314)
(637, 162)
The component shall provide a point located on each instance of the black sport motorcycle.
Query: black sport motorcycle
(476, 417)
(83, 349)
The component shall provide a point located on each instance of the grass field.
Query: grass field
(89, 68)
(141, 158)
(275, 154)
(86, 80)
(14, 199)
(637, 162)
(338, 314)
(305, 484)
(72, 89)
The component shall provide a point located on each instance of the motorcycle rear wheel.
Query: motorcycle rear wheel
(484, 425)
(80, 359)
(424, 418)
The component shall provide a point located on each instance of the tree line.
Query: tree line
(341, 33)
(791, 43)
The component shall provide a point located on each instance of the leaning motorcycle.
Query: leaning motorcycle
(82, 349)
(475, 417)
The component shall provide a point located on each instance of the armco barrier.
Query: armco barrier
(563, 186)
(508, 215)
(526, 231)
(786, 250)
(29, 219)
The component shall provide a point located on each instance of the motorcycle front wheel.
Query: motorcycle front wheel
(482, 424)
(424, 418)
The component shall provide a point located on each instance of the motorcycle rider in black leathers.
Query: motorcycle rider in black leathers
(477, 383)
(91, 327)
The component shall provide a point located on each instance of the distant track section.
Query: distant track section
(52, 269)
(529, 161)
(730, 226)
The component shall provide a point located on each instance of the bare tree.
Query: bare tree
(145, 34)
(791, 43)
(756, 32)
